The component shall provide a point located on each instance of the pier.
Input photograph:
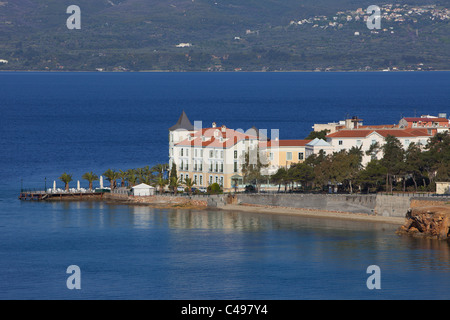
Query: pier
(49, 196)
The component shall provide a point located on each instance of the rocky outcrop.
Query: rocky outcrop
(430, 222)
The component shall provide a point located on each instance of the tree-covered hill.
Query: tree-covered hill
(225, 35)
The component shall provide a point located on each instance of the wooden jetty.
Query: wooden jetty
(42, 195)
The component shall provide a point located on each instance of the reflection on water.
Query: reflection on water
(143, 252)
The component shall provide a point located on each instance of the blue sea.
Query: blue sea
(52, 123)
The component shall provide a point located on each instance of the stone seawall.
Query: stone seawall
(345, 203)
(380, 205)
(165, 201)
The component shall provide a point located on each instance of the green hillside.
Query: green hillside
(248, 35)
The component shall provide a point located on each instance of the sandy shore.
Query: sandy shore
(314, 213)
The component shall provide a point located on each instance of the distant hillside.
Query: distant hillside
(220, 35)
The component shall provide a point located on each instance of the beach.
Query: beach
(314, 213)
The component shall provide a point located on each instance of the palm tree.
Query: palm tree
(90, 177)
(111, 176)
(140, 174)
(189, 183)
(66, 178)
(161, 183)
(131, 177)
(159, 169)
(174, 184)
(122, 176)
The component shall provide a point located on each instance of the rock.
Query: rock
(431, 222)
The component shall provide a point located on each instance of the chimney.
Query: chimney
(224, 129)
(214, 125)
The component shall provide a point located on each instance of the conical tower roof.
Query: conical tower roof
(183, 123)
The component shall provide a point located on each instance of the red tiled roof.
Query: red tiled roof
(426, 119)
(358, 133)
(230, 138)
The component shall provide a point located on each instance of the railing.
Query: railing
(415, 194)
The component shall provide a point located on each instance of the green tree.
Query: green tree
(280, 177)
(437, 157)
(214, 188)
(414, 163)
(122, 175)
(372, 176)
(189, 183)
(173, 171)
(318, 134)
(301, 173)
(90, 177)
(66, 178)
(131, 177)
(174, 184)
(159, 169)
(393, 156)
(253, 164)
(112, 177)
(161, 183)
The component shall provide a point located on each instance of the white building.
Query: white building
(364, 138)
(209, 155)
(142, 190)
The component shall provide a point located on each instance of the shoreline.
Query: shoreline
(314, 213)
(251, 208)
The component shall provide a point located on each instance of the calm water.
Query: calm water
(78, 122)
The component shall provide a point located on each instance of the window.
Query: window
(187, 152)
(341, 142)
(217, 179)
(235, 166)
(181, 152)
(288, 156)
(221, 154)
(210, 179)
(300, 156)
(195, 179)
(201, 180)
(407, 142)
(211, 167)
(221, 167)
(358, 142)
(201, 153)
(374, 141)
(201, 166)
(211, 154)
(271, 156)
(195, 153)
(217, 167)
(221, 181)
(235, 154)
